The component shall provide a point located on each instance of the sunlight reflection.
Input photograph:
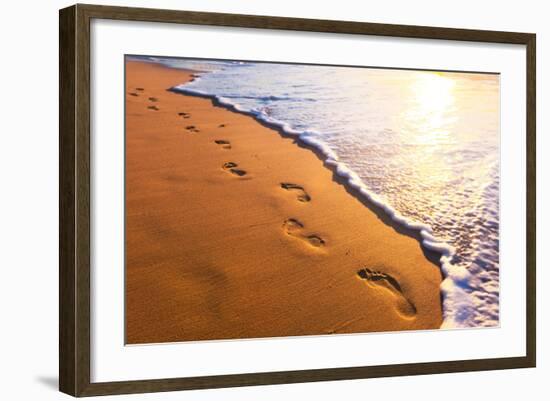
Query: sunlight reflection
(430, 114)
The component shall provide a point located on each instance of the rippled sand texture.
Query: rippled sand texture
(234, 231)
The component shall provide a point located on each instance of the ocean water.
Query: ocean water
(423, 145)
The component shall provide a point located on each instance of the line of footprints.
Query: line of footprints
(294, 227)
(152, 100)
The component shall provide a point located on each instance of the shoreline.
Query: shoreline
(329, 262)
(432, 254)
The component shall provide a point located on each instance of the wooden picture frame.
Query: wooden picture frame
(74, 203)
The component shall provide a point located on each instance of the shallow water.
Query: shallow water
(423, 145)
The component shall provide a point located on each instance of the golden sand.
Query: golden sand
(234, 230)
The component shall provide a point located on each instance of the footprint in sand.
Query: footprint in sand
(184, 115)
(133, 94)
(379, 280)
(140, 89)
(192, 128)
(231, 167)
(221, 126)
(153, 99)
(153, 108)
(223, 143)
(294, 228)
(301, 193)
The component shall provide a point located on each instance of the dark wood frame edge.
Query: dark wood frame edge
(74, 200)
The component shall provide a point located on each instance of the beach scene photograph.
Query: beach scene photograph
(272, 199)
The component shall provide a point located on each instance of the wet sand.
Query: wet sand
(234, 230)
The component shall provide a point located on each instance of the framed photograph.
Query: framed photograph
(250, 200)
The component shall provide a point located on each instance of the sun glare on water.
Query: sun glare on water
(431, 113)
